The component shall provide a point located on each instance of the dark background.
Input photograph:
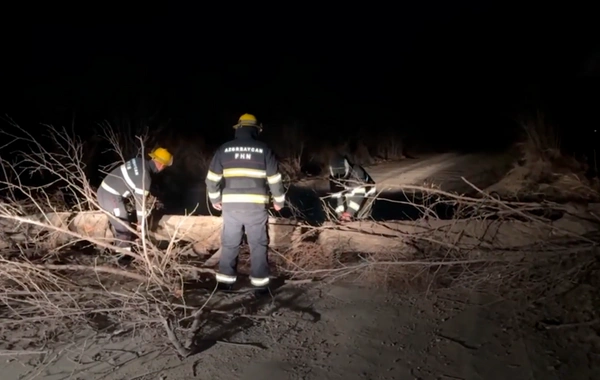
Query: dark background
(454, 75)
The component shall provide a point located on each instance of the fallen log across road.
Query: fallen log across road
(64, 227)
(476, 235)
(356, 237)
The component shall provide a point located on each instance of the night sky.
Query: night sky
(436, 71)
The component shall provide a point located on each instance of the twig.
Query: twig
(298, 282)
(453, 377)
(242, 344)
(100, 269)
(571, 325)
(401, 263)
(172, 337)
(522, 214)
(6, 321)
(458, 341)
(196, 323)
(19, 353)
(249, 316)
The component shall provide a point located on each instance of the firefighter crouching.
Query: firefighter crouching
(132, 179)
(236, 183)
(349, 185)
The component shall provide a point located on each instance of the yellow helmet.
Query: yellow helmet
(162, 155)
(248, 120)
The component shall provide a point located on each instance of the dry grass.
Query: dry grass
(543, 172)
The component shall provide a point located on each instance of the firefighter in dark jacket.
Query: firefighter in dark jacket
(236, 183)
(349, 186)
(132, 179)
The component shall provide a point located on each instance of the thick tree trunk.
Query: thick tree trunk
(476, 235)
(65, 227)
(204, 232)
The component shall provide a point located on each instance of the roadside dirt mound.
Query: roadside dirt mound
(546, 180)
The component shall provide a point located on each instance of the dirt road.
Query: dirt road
(444, 170)
(329, 332)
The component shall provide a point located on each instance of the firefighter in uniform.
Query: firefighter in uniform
(236, 183)
(349, 186)
(132, 179)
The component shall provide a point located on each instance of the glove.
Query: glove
(218, 206)
(346, 217)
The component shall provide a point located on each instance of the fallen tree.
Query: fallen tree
(472, 233)
(204, 232)
(60, 228)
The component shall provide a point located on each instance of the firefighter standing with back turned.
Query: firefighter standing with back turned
(349, 185)
(236, 183)
(130, 179)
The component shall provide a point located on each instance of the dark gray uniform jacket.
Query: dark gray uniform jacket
(240, 171)
(131, 178)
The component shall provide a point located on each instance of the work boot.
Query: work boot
(261, 291)
(124, 260)
(224, 287)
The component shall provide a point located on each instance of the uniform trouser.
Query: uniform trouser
(354, 202)
(337, 203)
(343, 202)
(255, 224)
(115, 206)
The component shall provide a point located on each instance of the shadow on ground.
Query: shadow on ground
(238, 311)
